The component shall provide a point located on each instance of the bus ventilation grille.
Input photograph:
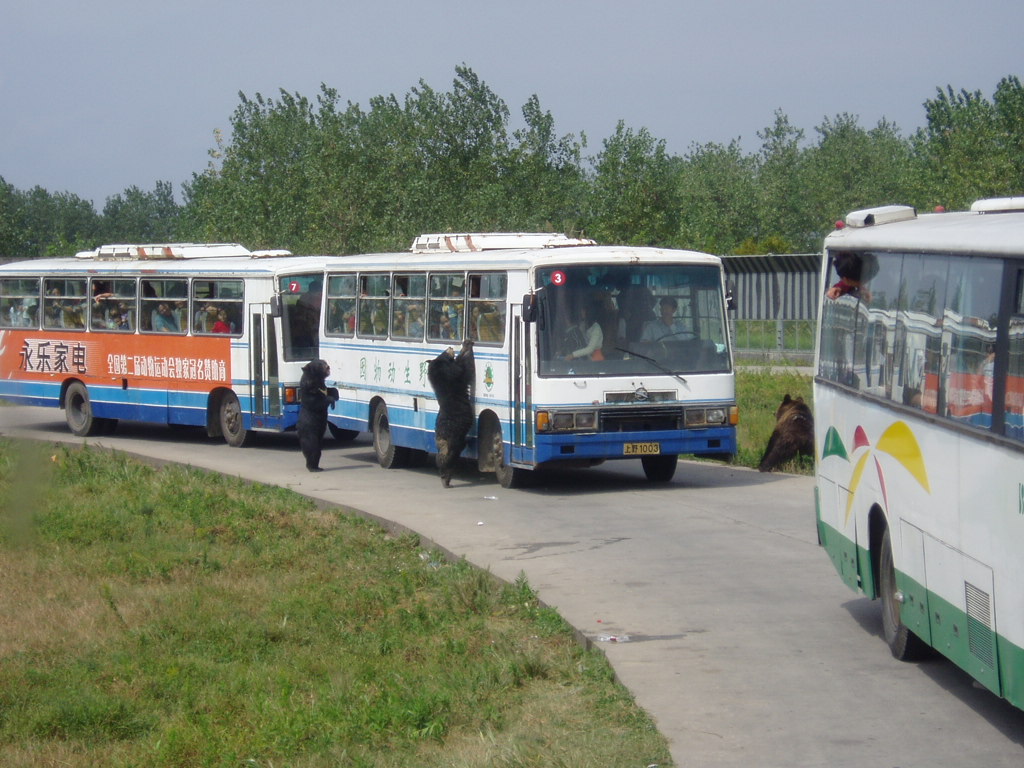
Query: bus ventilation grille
(979, 625)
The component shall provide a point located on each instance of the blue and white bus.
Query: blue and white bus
(652, 381)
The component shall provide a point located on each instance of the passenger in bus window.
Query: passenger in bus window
(416, 322)
(74, 315)
(666, 325)
(123, 318)
(488, 322)
(444, 327)
(23, 314)
(587, 334)
(222, 325)
(163, 319)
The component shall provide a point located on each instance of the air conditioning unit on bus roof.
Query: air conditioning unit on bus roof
(998, 205)
(157, 251)
(886, 214)
(492, 241)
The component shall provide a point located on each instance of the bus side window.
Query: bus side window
(373, 305)
(216, 307)
(19, 302)
(113, 305)
(64, 303)
(163, 307)
(487, 294)
(446, 306)
(341, 305)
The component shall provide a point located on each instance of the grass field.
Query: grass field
(173, 617)
(759, 392)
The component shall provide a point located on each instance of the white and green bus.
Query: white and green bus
(919, 422)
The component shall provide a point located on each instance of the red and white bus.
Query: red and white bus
(213, 336)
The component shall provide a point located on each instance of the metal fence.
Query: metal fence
(776, 305)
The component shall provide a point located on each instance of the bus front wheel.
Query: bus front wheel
(660, 469)
(78, 413)
(904, 644)
(232, 421)
(389, 455)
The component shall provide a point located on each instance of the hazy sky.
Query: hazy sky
(98, 96)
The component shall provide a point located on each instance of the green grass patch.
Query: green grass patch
(174, 617)
(758, 393)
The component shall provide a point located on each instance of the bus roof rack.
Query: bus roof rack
(160, 251)
(998, 205)
(885, 214)
(492, 241)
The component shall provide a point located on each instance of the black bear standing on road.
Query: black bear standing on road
(451, 377)
(793, 434)
(314, 399)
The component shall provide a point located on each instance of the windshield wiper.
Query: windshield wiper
(653, 362)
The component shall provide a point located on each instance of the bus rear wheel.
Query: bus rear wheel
(904, 644)
(232, 421)
(79, 416)
(660, 469)
(389, 455)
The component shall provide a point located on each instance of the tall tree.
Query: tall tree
(634, 198)
(780, 214)
(717, 198)
(851, 168)
(969, 148)
(135, 216)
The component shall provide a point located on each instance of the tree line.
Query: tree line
(322, 176)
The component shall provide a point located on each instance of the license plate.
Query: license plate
(641, 449)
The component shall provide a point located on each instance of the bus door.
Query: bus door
(264, 376)
(520, 389)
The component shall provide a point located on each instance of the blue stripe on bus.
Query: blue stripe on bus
(415, 429)
(139, 404)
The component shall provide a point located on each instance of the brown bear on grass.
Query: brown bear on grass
(793, 434)
(451, 377)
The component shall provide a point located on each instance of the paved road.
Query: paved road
(744, 644)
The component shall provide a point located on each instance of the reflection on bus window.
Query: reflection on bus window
(922, 333)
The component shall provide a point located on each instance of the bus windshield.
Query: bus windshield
(631, 320)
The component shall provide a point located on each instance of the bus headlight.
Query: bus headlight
(562, 421)
(566, 421)
(702, 417)
(586, 420)
(716, 416)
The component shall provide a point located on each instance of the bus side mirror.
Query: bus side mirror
(275, 305)
(529, 308)
(730, 295)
